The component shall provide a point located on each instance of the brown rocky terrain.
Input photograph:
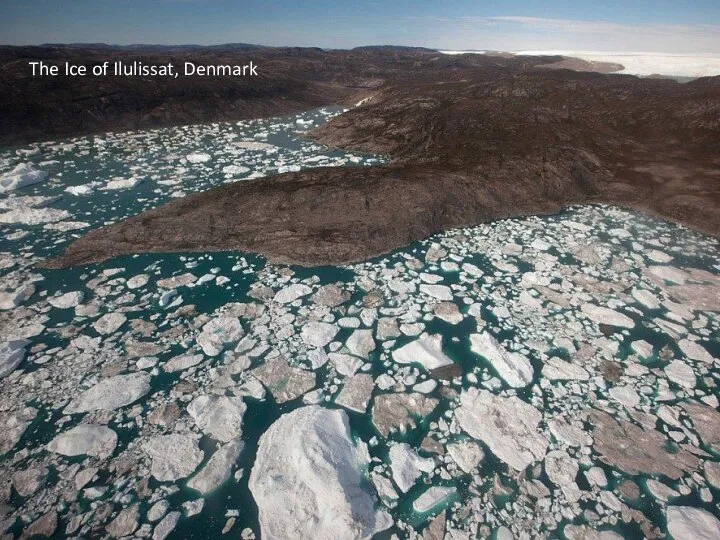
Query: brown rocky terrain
(289, 80)
(472, 138)
(578, 64)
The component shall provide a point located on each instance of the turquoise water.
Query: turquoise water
(560, 277)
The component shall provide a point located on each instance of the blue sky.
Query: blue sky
(674, 26)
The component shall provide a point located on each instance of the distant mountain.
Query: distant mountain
(145, 47)
(191, 47)
(393, 48)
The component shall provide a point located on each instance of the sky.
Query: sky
(667, 26)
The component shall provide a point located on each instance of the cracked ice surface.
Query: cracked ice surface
(537, 377)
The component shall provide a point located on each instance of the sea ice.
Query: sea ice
(109, 323)
(291, 293)
(173, 456)
(182, 362)
(356, 393)
(219, 417)
(11, 354)
(467, 455)
(85, 189)
(284, 381)
(219, 333)
(508, 426)
(432, 497)
(603, 315)
(557, 369)
(235, 170)
(310, 451)
(85, 439)
(514, 368)
(128, 183)
(426, 351)
(217, 470)
(67, 300)
(318, 334)
(198, 157)
(24, 174)
(33, 216)
(688, 523)
(111, 393)
(407, 466)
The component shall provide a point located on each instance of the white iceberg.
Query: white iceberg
(22, 175)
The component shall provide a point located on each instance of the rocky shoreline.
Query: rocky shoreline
(502, 143)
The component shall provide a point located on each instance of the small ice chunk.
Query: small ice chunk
(198, 157)
(127, 183)
(432, 497)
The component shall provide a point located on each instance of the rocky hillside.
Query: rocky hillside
(469, 144)
(289, 80)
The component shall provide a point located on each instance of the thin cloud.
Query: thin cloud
(521, 33)
(601, 27)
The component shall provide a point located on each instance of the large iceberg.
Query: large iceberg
(307, 479)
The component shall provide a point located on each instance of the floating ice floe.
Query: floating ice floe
(24, 174)
(85, 439)
(65, 226)
(688, 523)
(218, 468)
(508, 426)
(557, 369)
(111, 393)
(219, 417)
(67, 300)
(284, 381)
(407, 466)
(432, 497)
(12, 354)
(13, 298)
(33, 216)
(218, 333)
(109, 323)
(173, 456)
(14, 426)
(356, 393)
(124, 183)
(426, 351)
(198, 157)
(310, 449)
(182, 362)
(318, 334)
(292, 293)
(515, 369)
(85, 189)
(235, 170)
(467, 455)
(399, 411)
(603, 315)
(253, 145)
